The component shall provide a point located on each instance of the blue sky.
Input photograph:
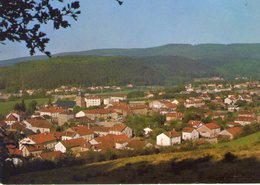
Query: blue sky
(147, 23)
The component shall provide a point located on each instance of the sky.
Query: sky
(148, 23)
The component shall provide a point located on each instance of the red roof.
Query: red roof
(34, 148)
(234, 130)
(174, 114)
(74, 143)
(82, 130)
(212, 126)
(39, 123)
(11, 117)
(245, 118)
(93, 97)
(52, 109)
(172, 134)
(99, 111)
(43, 138)
(12, 150)
(118, 127)
(194, 123)
(187, 129)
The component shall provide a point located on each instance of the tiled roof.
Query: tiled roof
(12, 150)
(212, 126)
(187, 129)
(43, 138)
(234, 130)
(118, 127)
(52, 109)
(174, 114)
(73, 143)
(136, 144)
(99, 111)
(172, 134)
(39, 123)
(195, 123)
(11, 118)
(34, 148)
(82, 130)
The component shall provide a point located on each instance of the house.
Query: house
(168, 138)
(83, 131)
(147, 130)
(121, 108)
(194, 102)
(38, 125)
(67, 105)
(173, 116)
(64, 117)
(32, 150)
(12, 118)
(45, 140)
(135, 144)
(230, 133)
(51, 111)
(231, 99)
(189, 133)
(195, 123)
(138, 109)
(209, 130)
(100, 130)
(110, 141)
(155, 104)
(232, 124)
(67, 135)
(98, 114)
(92, 101)
(117, 98)
(120, 129)
(245, 120)
(51, 156)
(73, 145)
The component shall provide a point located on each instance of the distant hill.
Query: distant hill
(241, 51)
(93, 70)
(186, 50)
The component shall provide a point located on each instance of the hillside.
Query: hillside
(198, 166)
(221, 51)
(157, 70)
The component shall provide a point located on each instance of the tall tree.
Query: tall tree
(21, 20)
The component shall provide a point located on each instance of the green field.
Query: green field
(7, 106)
(198, 166)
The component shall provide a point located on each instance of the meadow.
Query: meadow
(6, 107)
(229, 162)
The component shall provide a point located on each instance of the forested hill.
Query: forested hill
(90, 70)
(241, 51)
(251, 51)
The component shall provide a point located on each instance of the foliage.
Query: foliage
(135, 94)
(20, 106)
(139, 122)
(22, 21)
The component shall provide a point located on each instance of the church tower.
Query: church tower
(80, 100)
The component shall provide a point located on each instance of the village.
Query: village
(207, 113)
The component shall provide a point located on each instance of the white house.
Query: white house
(189, 133)
(92, 101)
(209, 130)
(147, 130)
(168, 138)
(120, 129)
(156, 104)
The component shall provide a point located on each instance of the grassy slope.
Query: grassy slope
(179, 167)
(6, 107)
